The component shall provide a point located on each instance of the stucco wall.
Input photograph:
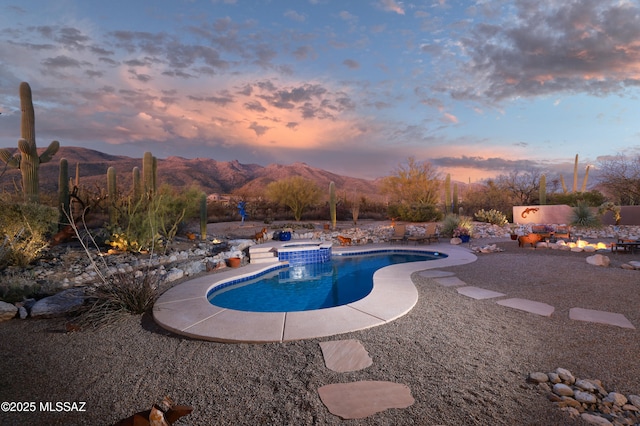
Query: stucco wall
(560, 214)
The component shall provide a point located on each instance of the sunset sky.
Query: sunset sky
(477, 88)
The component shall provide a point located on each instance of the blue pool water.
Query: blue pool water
(343, 280)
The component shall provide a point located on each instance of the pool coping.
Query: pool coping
(185, 309)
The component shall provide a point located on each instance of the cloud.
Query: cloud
(549, 47)
(351, 64)
(391, 6)
(295, 16)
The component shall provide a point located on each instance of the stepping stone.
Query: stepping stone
(434, 273)
(450, 281)
(601, 317)
(358, 400)
(345, 355)
(478, 293)
(537, 308)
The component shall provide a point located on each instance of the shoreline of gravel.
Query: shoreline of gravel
(465, 361)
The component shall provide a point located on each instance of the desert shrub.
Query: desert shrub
(452, 223)
(584, 216)
(592, 198)
(119, 295)
(148, 223)
(25, 229)
(415, 212)
(16, 286)
(492, 216)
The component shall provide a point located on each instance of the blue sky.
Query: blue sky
(477, 88)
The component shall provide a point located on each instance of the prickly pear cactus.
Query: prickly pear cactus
(28, 160)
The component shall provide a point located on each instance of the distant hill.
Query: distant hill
(220, 177)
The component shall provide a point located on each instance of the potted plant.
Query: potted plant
(234, 262)
(513, 234)
(463, 233)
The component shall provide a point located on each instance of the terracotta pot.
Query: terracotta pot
(234, 262)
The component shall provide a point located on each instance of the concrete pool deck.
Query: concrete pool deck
(184, 309)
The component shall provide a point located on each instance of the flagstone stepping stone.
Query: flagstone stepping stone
(345, 355)
(537, 308)
(478, 293)
(358, 400)
(601, 317)
(434, 273)
(450, 281)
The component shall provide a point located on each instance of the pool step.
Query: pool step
(263, 254)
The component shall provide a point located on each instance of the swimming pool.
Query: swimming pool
(185, 309)
(343, 280)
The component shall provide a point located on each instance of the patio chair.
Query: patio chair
(432, 232)
(399, 234)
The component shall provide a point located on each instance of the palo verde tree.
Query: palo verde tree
(295, 192)
(620, 177)
(413, 190)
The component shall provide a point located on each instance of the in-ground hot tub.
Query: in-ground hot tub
(305, 252)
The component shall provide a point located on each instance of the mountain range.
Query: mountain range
(211, 176)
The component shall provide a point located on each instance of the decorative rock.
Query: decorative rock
(565, 376)
(616, 398)
(538, 377)
(174, 274)
(585, 385)
(455, 241)
(585, 397)
(22, 312)
(591, 399)
(7, 311)
(562, 389)
(635, 400)
(595, 420)
(553, 378)
(59, 304)
(598, 260)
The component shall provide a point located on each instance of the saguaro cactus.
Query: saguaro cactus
(543, 189)
(447, 193)
(584, 181)
(332, 204)
(137, 184)
(203, 217)
(149, 172)
(454, 198)
(112, 194)
(28, 161)
(575, 175)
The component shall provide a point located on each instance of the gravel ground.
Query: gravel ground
(464, 360)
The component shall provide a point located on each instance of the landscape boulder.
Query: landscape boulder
(598, 260)
(7, 311)
(59, 304)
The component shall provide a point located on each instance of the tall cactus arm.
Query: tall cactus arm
(27, 128)
(28, 148)
(11, 160)
(51, 150)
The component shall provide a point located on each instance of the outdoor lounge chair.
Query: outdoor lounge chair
(430, 234)
(399, 234)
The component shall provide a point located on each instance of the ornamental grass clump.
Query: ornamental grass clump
(116, 294)
(453, 224)
(122, 294)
